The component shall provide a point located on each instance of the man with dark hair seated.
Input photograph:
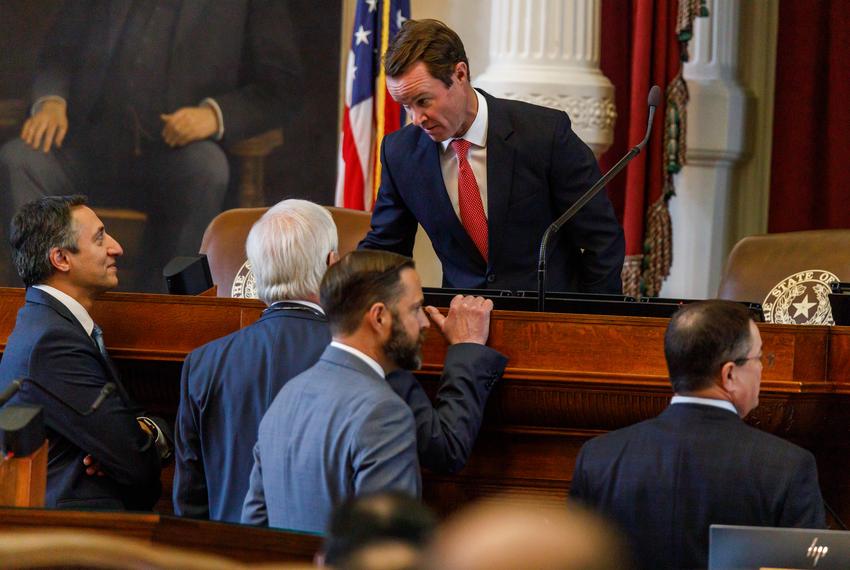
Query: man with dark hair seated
(104, 452)
(666, 480)
(391, 521)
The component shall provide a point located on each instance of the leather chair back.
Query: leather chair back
(224, 245)
(789, 273)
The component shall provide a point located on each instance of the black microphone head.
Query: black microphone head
(654, 98)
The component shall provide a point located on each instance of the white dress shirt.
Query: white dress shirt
(362, 356)
(705, 402)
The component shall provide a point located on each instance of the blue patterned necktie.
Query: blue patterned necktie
(97, 335)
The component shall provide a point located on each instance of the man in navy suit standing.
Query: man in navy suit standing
(228, 384)
(664, 481)
(101, 456)
(485, 177)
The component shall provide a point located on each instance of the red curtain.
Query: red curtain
(639, 49)
(809, 175)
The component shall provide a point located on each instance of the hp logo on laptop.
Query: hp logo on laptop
(816, 552)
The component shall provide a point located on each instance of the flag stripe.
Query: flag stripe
(369, 110)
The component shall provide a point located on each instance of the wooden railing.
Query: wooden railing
(570, 377)
(232, 541)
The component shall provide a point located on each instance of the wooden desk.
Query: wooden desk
(239, 542)
(570, 377)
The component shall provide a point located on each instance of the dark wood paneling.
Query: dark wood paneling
(570, 377)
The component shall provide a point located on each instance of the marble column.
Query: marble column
(700, 211)
(547, 52)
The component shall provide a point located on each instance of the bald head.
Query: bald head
(504, 534)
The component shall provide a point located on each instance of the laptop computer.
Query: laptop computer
(766, 548)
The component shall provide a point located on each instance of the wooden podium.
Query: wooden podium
(570, 377)
(23, 479)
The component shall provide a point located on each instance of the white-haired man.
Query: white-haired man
(228, 384)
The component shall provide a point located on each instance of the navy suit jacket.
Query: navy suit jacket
(241, 53)
(228, 384)
(536, 168)
(50, 347)
(334, 432)
(665, 480)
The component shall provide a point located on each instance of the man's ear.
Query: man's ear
(379, 318)
(462, 71)
(333, 257)
(59, 259)
(728, 377)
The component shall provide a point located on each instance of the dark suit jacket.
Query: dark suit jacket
(50, 346)
(536, 168)
(665, 480)
(228, 384)
(241, 53)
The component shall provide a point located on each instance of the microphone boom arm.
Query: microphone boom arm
(554, 227)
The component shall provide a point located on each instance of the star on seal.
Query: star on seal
(803, 291)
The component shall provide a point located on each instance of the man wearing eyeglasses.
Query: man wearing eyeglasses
(664, 481)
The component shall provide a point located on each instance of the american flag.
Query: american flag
(370, 112)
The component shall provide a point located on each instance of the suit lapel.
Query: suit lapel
(437, 202)
(38, 296)
(500, 168)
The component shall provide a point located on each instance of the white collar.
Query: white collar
(71, 304)
(477, 131)
(705, 402)
(373, 364)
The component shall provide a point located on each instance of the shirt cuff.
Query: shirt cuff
(163, 447)
(218, 116)
(36, 107)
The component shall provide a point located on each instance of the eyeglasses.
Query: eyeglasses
(767, 360)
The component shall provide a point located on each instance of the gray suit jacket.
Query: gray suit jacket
(335, 431)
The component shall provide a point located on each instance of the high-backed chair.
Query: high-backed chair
(789, 273)
(224, 246)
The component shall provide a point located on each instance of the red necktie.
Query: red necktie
(469, 198)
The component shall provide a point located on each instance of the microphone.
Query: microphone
(107, 389)
(10, 391)
(653, 101)
(105, 392)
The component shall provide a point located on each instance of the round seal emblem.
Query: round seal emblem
(800, 299)
(244, 284)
